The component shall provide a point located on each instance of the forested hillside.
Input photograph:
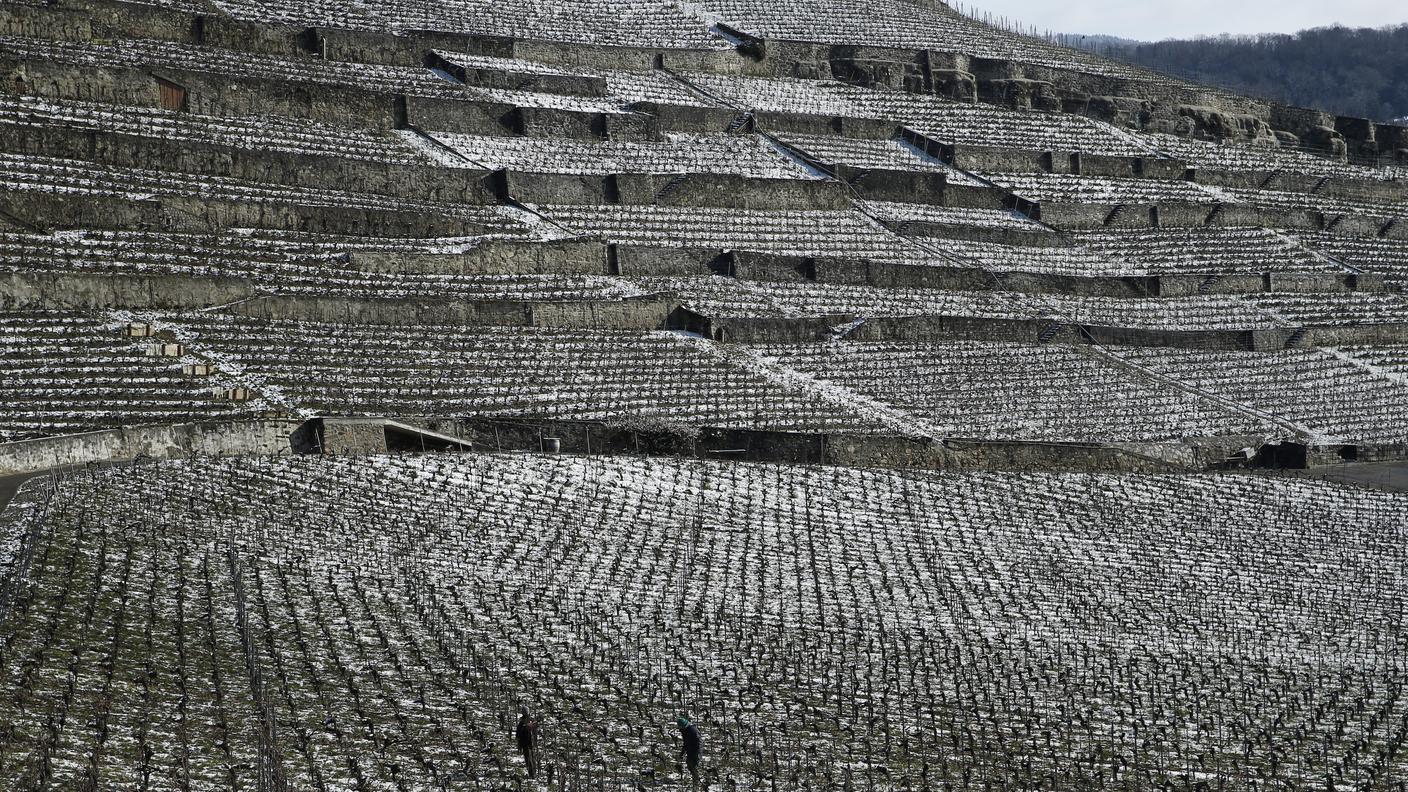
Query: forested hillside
(1350, 71)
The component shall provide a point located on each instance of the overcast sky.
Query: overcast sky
(1187, 18)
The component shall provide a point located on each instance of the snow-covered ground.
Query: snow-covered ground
(823, 626)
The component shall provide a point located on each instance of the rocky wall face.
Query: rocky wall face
(1189, 215)
(889, 275)
(117, 19)
(1353, 335)
(219, 96)
(47, 212)
(264, 39)
(384, 312)
(948, 328)
(998, 160)
(1357, 225)
(1020, 94)
(969, 197)
(253, 438)
(356, 46)
(37, 21)
(970, 455)
(552, 124)
(1082, 216)
(724, 190)
(21, 291)
(1361, 190)
(1193, 285)
(494, 257)
(342, 438)
(687, 118)
(641, 314)
(1316, 283)
(1232, 215)
(886, 452)
(558, 188)
(895, 185)
(52, 80)
(1044, 283)
(469, 118)
(620, 315)
(799, 59)
(44, 212)
(773, 269)
(642, 260)
(740, 330)
(270, 167)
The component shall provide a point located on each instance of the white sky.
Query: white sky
(1186, 18)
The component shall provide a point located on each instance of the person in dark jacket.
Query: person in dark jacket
(691, 747)
(526, 735)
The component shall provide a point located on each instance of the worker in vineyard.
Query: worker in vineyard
(690, 749)
(526, 735)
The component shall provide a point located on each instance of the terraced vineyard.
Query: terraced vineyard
(911, 404)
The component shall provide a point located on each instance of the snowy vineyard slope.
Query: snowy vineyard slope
(900, 398)
(826, 628)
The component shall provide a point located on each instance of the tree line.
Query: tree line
(1348, 71)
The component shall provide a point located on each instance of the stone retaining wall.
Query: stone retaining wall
(630, 314)
(232, 438)
(420, 182)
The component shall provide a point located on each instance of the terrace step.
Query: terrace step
(670, 186)
(742, 124)
(1050, 332)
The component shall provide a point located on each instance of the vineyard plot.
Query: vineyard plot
(374, 623)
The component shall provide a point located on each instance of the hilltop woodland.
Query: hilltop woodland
(1349, 71)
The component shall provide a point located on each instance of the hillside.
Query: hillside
(1347, 71)
(908, 404)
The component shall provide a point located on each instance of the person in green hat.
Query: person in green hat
(690, 748)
